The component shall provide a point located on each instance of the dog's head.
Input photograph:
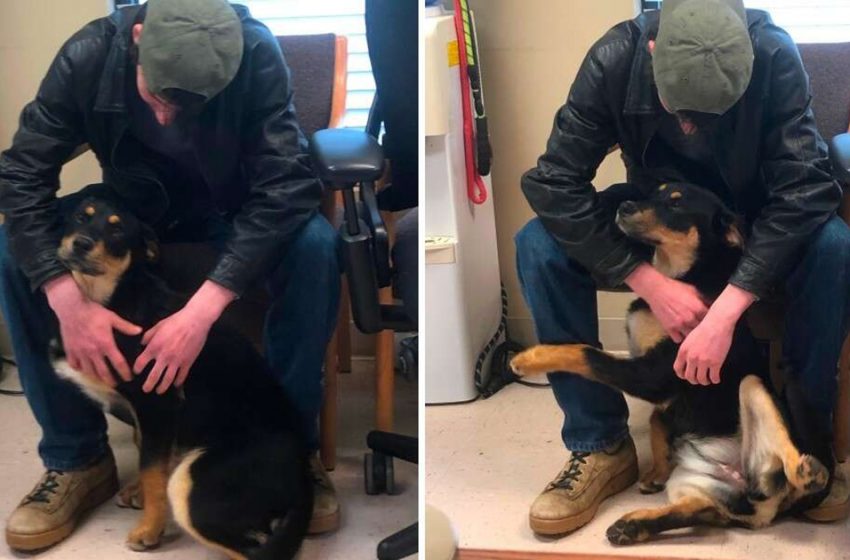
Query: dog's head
(101, 242)
(681, 221)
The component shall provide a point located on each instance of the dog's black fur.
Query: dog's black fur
(227, 443)
(745, 452)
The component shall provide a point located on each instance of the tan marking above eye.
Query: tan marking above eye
(675, 195)
(662, 187)
(90, 211)
(114, 219)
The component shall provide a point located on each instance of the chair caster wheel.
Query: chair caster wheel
(378, 474)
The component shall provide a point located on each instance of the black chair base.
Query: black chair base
(400, 544)
(378, 478)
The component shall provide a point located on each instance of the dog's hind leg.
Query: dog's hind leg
(641, 525)
(268, 479)
(769, 456)
(659, 439)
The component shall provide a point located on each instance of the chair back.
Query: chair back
(318, 66)
(827, 66)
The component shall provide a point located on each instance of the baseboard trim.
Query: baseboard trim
(482, 554)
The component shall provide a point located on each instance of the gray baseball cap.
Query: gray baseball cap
(194, 46)
(703, 57)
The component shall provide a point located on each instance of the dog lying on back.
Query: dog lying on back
(224, 449)
(740, 460)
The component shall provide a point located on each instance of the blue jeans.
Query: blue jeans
(562, 298)
(300, 321)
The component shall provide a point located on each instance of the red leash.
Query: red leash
(476, 190)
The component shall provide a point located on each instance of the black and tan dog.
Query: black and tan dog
(224, 449)
(742, 455)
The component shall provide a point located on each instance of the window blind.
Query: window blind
(342, 17)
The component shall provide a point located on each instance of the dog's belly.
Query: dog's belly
(108, 398)
(644, 331)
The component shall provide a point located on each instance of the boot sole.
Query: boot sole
(324, 524)
(828, 514)
(29, 542)
(617, 484)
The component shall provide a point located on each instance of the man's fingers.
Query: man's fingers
(120, 364)
(153, 377)
(143, 360)
(150, 334)
(702, 374)
(714, 375)
(167, 380)
(676, 336)
(102, 371)
(691, 371)
(74, 362)
(181, 376)
(125, 326)
(679, 364)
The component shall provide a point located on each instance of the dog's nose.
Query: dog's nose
(628, 208)
(83, 244)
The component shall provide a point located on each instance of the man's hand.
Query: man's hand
(702, 354)
(86, 329)
(677, 306)
(175, 342)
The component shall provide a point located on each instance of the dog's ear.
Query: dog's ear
(151, 243)
(728, 226)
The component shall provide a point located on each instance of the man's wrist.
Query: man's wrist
(731, 305)
(58, 290)
(210, 301)
(643, 278)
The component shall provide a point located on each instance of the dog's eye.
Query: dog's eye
(82, 218)
(675, 203)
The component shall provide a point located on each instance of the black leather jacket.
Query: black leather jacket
(767, 148)
(248, 146)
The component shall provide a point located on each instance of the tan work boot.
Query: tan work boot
(572, 498)
(836, 505)
(325, 505)
(50, 512)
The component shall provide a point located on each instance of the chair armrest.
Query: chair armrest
(839, 157)
(345, 157)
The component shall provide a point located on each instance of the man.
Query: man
(707, 93)
(188, 107)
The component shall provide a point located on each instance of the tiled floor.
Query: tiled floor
(366, 519)
(486, 461)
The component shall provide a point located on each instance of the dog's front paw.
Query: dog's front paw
(527, 363)
(811, 475)
(130, 496)
(144, 537)
(649, 485)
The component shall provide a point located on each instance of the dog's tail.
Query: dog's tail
(287, 532)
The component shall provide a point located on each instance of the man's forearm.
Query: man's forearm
(210, 301)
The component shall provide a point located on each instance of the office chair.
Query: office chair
(344, 159)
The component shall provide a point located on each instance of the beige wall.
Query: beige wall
(530, 53)
(31, 32)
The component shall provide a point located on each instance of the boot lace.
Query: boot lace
(47, 486)
(570, 475)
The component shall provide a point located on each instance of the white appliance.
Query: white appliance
(462, 284)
